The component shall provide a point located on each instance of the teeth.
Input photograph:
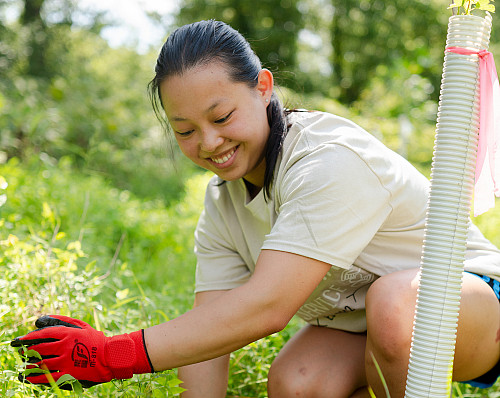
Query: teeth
(225, 158)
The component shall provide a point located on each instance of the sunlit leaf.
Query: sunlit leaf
(3, 183)
(47, 212)
(76, 245)
(68, 379)
(33, 354)
(488, 7)
(174, 382)
(34, 371)
(122, 294)
(177, 390)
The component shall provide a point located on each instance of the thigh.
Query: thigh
(319, 362)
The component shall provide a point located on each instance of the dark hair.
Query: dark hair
(207, 41)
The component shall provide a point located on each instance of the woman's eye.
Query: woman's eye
(184, 133)
(224, 119)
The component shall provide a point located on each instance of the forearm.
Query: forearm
(205, 379)
(231, 321)
(279, 286)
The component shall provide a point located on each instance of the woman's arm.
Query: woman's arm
(209, 378)
(279, 286)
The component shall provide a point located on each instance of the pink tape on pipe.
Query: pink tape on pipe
(487, 179)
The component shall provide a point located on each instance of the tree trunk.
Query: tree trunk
(32, 12)
(31, 18)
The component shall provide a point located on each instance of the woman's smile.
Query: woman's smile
(225, 159)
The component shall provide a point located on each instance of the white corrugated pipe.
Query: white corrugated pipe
(452, 179)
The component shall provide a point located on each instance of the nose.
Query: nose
(210, 140)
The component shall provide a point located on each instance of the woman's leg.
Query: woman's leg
(390, 306)
(319, 362)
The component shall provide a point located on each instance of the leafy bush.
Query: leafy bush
(45, 272)
(58, 257)
(114, 226)
(94, 108)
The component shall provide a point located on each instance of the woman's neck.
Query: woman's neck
(253, 190)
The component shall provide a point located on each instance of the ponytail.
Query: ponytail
(276, 117)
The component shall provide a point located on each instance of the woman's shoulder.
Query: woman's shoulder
(321, 126)
(310, 130)
(337, 146)
(302, 119)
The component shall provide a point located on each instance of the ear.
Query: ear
(265, 84)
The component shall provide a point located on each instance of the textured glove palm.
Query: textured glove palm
(70, 346)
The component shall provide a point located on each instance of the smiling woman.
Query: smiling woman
(220, 72)
(220, 125)
(309, 215)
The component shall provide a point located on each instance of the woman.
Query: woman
(308, 214)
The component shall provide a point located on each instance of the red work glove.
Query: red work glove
(70, 346)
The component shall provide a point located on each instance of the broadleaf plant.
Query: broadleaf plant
(466, 7)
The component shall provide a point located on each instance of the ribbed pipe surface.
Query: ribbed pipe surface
(452, 180)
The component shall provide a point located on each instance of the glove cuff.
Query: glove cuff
(126, 355)
(142, 362)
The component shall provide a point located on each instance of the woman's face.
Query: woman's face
(219, 124)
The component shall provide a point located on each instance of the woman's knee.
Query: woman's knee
(390, 307)
(318, 362)
(287, 380)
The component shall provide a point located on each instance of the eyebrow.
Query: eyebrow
(209, 109)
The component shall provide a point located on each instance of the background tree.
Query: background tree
(371, 37)
(81, 99)
(31, 19)
(358, 39)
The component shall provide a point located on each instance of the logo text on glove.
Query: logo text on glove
(80, 356)
(93, 357)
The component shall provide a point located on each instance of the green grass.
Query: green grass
(73, 244)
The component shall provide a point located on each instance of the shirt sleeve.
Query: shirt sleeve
(330, 204)
(219, 266)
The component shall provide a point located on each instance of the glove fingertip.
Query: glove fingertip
(58, 320)
(46, 320)
(26, 379)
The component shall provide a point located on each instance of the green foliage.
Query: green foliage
(249, 366)
(466, 7)
(349, 39)
(45, 270)
(488, 224)
(94, 108)
(382, 378)
(370, 39)
(114, 227)
(54, 257)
